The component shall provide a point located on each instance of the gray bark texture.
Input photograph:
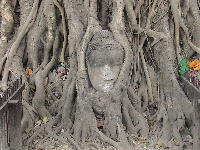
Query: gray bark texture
(102, 71)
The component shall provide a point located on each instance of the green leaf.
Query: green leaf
(65, 146)
(183, 67)
(142, 138)
(186, 68)
(183, 62)
(177, 143)
(160, 144)
(45, 119)
(183, 71)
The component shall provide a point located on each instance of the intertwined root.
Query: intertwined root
(36, 45)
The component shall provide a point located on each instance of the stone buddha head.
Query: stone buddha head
(104, 59)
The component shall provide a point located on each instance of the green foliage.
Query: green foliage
(184, 68)
(45, 119)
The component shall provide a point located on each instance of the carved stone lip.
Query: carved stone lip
(108, 85)
(108, 81)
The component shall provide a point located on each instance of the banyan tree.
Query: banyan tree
(120, 59)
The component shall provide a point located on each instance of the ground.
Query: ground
(43, 142)
(139, 144)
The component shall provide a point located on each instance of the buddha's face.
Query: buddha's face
(104, 67)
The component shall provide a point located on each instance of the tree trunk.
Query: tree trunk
(66, 50)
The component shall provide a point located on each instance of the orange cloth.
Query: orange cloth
(197, 67)
(29, 72)
(195, 64)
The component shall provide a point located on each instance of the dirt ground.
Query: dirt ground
(52, 144)
(34, 140)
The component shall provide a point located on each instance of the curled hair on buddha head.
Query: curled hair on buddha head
(102, 41)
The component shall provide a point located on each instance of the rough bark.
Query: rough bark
(155, 36)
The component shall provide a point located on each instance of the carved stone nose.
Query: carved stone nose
(108, 73)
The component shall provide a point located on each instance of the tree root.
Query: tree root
(143, 95)
(63, 140)
(17, 42)
(150, 91)
(117, 29)
(39, 97)
(67, 108)
(62, 55)
(74, 111)
(179, 22)
(142, 122)
(175, 11)
(35, 134)
(118, 145)
(7, 24)
(50, 15)
(34, 39)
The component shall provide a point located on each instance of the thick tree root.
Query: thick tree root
(17, 42)
(126, 111)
